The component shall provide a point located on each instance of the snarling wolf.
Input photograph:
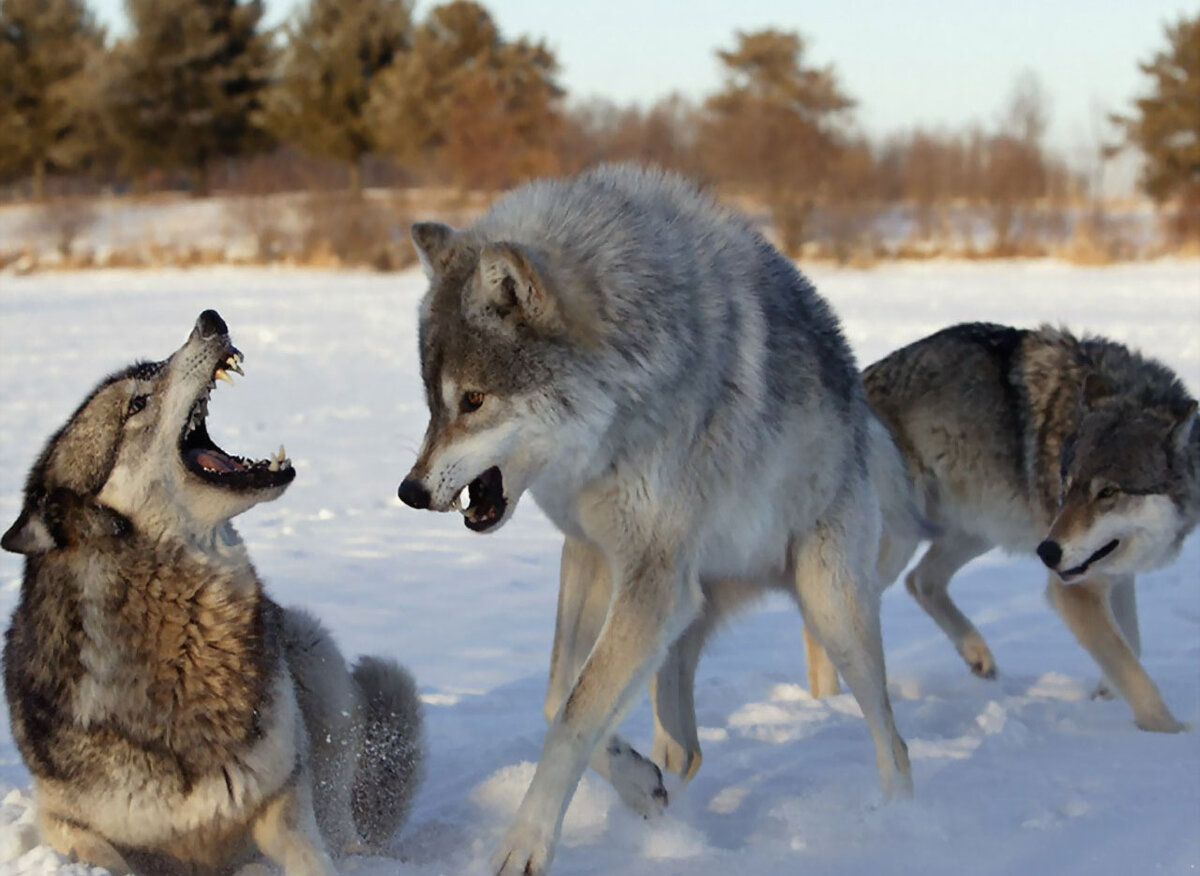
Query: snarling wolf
(171, 714)
(682, 405)
(1080, 450)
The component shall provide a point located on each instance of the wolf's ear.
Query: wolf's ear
(434, 243)
(1095, 390)
(510, 283)
(29, 534)
(1185, 423)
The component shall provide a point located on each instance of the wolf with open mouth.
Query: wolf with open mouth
(170, 712)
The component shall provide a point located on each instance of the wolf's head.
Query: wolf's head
(494, 330)
(1122, 487)
(137, 452)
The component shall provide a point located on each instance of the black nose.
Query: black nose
(413, 493)
(1050, 553)
(210, 324)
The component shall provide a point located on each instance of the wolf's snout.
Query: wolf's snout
(1050, 553)
(210, 325)
(414, 494)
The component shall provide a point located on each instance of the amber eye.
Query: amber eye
(470, 401)
(136, 404)
(1107, 493)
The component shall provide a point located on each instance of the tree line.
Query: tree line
(201, 86)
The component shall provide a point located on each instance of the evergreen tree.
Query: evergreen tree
(482, 110)
(335, 51)
(187, 87)
(46, 118)
(774, 127)
(1166, 124)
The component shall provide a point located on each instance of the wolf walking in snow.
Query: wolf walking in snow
(170, 712)
(681, 404)
(1034, 440)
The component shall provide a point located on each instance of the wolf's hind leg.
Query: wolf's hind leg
(840, 603)
(81, 844)
(583, 597)
(929, 584)
(676, 745)
(1085, 609)
(285, 830)
(822, 674)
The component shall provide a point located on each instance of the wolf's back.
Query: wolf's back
(391, 759)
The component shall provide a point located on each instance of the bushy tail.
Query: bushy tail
(904, 526)
(391, 762)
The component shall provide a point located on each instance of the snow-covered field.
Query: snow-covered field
(1023, 774)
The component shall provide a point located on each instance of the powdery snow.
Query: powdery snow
(1023, 774)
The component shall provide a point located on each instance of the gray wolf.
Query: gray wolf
(682, 405)
(1078, 449)
(172, 715)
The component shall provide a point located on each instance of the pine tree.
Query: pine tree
(187, 87)
(1166, 124)
(774, 127)
(46, 120)
(478, 108)
(335, 50)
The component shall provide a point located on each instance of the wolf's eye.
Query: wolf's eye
(470, 401)
(1107, 492)
(136, 404)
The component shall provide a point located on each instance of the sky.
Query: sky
(906, 62)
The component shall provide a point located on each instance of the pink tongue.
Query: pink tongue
(217, 461)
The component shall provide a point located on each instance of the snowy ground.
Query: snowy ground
(1021, 774)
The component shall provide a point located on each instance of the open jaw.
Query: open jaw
(202, 457)
(1076, 571)
(482, 501)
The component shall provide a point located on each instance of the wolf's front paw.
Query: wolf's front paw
(1162, 723)
(526, 851)
(978, 656)
(638, 781)
(673, 757)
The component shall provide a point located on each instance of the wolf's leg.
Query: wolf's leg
(79, 843)
(285, 830)
(1122, 598)
(585, 591)
(840, 603)
(676, 741)
(929, 584)
(653, 603)
(333, 715)
(1084, 608)
(822, 674)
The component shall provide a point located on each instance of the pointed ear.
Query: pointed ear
(29, 534)
(1181, 432)
(511, 285)
(1095, 390)
(434, 243)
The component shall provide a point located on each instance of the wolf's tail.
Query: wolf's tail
(391, 760)
(904, 526)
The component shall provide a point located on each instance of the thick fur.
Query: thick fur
(171, 714)
(1024, 439)
(682, 405)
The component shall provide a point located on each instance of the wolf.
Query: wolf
(172, 715)
(1077, 449)
(682, 405)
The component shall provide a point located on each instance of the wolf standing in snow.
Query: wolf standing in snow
(170, 713)
(1080, 449)
(681, 404)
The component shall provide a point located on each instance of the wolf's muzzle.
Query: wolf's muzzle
(1050, 553)
(210, 325)
(414, 494)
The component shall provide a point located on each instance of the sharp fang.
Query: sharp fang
(234, 364)
(220, 374)
(273, 465)
(463, 500)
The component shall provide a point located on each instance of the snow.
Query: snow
(1025, 773)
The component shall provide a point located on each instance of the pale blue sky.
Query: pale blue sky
(906, 61)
